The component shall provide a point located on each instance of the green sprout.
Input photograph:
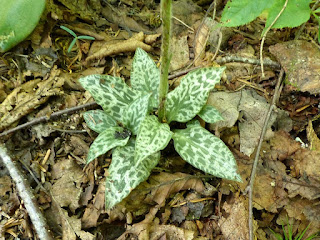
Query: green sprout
(76, 38)
(288, 235)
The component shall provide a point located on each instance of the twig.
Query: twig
(49, 193)
(227, 59)
(265, 34)
(303, 25)
(249, 188)
(184, 24)
(180, 73)
(27, 196)
(47, 118)
(266, 62)
(218, 46)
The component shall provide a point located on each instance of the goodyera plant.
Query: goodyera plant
(136, 137)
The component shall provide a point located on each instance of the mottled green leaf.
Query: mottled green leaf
(136, 112)
(206, 152)
(210, 114)
(153, 137)
(125, 174)
(98, 120)
(106, 140)
(145, 76)
(112, 93)
(186, 100)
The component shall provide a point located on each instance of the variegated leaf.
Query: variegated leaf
(153, 136)
(136, 112)
(98, 120)
(125, 175)
(112, 93)
(108, 139)
(210, 114)
(145, 76)
(206, 152)
(186, 100)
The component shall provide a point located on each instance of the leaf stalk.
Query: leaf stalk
(166, 14)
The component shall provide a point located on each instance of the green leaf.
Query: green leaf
(98, 120)
(69, 31)
(135, 113)
(210, 114)
(206, 152)
(186, 100)
(153, 137)
(72, 44)
(145, 75)
(18, 19)
(296, 13)
(240, 12)
(112, 93)
(105, 141)
(125, 175)
(86, 37)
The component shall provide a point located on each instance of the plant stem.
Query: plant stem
(166, 12)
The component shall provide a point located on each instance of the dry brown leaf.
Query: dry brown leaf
(151, 38)
(113, 15)
(301, 62)
(171, 232)
(308, 189)
(100, 50)
(66, 190)
(280, 147)
(312, 138)
(297, 207)
(180, 52)
(268, 190)
(29, 96)
(71, 227)
(200, 43)
(164, 184)
(95, 209)
(307, 164)
(5, 185)
(233, 226)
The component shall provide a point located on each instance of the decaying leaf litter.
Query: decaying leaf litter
(39, 77)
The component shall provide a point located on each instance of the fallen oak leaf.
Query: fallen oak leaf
(29, 96)
(164, 184)
(129, 45)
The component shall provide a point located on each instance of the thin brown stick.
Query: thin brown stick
(266, 62)
(180, 73)
(51, 117)
(249, 188)
(265, 34)
(27, 196)
(227, 59)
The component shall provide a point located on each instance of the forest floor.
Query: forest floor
(39, 77)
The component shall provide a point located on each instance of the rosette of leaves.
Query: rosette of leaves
(127, 125)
